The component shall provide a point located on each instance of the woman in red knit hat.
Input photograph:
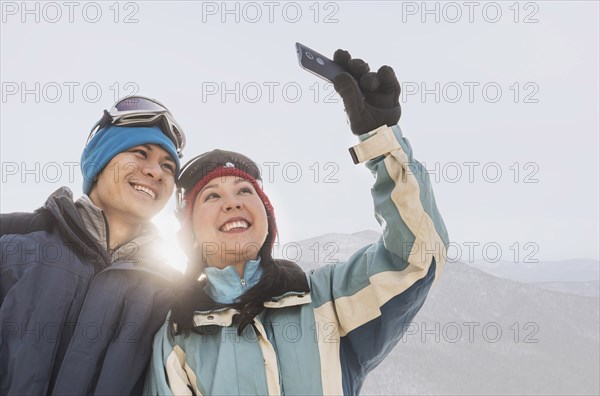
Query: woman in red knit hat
(246, 323)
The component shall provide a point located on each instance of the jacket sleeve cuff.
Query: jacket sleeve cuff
(376, 143)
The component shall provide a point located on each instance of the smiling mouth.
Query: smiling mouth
(144, 190)
(236, 225)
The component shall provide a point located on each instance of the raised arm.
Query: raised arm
(371, 299)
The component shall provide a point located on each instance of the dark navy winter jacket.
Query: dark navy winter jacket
(73, 319)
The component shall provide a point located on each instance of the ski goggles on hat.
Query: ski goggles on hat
(142, 111)
(199, 167)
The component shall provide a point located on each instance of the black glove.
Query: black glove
(370, 99)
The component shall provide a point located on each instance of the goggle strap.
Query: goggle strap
(103, 122)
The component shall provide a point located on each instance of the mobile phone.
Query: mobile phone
(317, 64)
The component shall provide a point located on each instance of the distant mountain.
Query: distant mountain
(588, 289)
(481, 334)
(575, 276)
(574, 270)
(368, 235)
(327, 249)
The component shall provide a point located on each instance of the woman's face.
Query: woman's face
(229, 221)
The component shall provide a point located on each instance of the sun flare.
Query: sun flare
(168, 247)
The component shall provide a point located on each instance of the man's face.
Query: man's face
(136, 184)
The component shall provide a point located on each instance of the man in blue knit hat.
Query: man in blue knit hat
(82, 289)
(129, 173)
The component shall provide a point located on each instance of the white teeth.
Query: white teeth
(144, 190)
(234, 224)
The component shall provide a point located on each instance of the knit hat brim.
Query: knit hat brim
(112, 140)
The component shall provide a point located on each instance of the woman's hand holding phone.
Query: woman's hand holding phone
(370, 99)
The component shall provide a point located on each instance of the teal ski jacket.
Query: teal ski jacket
(326, 341)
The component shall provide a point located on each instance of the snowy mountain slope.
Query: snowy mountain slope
(481, 334)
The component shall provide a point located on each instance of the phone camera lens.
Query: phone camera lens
(309, 55)
(320, 61)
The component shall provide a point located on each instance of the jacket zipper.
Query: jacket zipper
(243, 282)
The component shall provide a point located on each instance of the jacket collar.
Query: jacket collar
(225, 285)
(95, 223)
(72, 228)
(292, 284)
(92, 218)
(78, 222)
(224, 316)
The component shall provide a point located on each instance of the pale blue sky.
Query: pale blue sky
(512, 97)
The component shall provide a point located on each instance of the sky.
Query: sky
(500, 101)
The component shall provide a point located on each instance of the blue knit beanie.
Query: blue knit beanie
(113, 140)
